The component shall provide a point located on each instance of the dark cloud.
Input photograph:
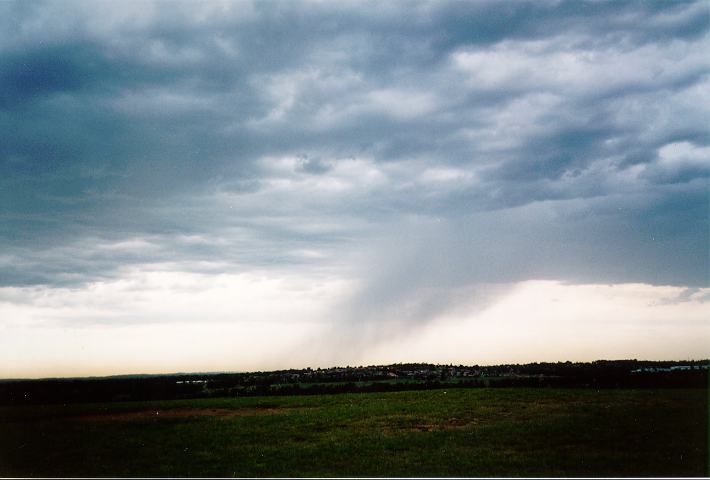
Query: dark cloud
(313, 165)
(560, 140)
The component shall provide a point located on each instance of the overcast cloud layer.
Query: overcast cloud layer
(421, 150)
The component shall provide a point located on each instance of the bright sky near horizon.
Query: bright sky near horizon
(210, 186)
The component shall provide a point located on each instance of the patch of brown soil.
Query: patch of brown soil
(180, 413)
(450, 424)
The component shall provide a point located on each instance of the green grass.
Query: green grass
(360, 383)
(458, 432)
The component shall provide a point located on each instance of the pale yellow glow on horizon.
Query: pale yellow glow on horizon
(551, 321)
(161, 322)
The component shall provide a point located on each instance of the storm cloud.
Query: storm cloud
(421, 148)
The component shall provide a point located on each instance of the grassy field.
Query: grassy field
(459, 432)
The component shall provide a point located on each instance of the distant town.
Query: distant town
(354, 379)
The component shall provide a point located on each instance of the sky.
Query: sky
(231, 186)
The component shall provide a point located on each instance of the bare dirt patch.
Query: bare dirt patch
(450, 424)
(180, 413)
